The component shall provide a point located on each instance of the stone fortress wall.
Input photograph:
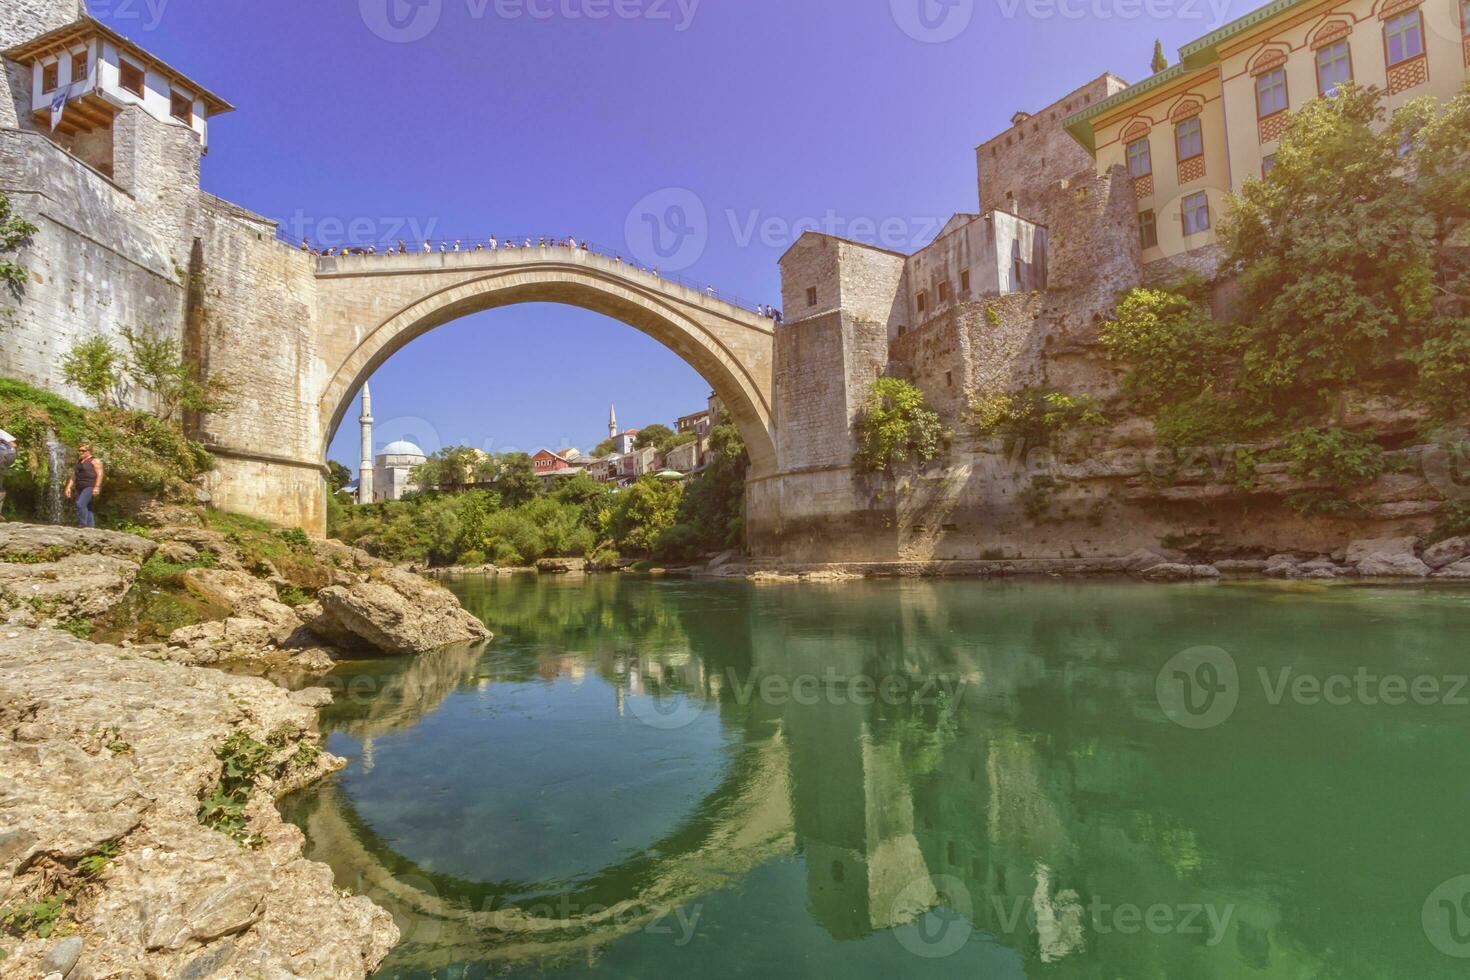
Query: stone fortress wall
(146, 249)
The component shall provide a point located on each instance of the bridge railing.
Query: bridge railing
(511, 243)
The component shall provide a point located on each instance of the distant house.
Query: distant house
(623, 442)
(547, 461)
(686, 458)
(637, 463)
(605, 470)
(699, 423)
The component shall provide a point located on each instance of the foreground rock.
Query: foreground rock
(561, 566)
(1387, 558)
(56, 591)
(42, 542)
(392, 611)
(106, 756)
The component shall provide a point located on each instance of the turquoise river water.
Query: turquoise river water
(655, 778)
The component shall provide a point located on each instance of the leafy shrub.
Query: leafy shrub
(1333, 456)
(1170, 342)
(897, 425)
(1032, 416)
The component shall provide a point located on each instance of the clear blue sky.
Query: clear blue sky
(559, 116)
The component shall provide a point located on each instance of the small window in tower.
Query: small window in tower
(965, 282)
(80, 67)
(811, 296)
(181, 107)
(923, 301)
(949, 379)
(944, 291)
(51, 77)
(131, 78)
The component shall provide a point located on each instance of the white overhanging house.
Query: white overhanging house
(84, 74)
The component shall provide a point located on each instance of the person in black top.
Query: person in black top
(86, 481)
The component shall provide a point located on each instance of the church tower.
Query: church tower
(365, 474)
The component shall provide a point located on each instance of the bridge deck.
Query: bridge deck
(360, 261)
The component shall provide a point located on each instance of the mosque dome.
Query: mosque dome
(402, 448)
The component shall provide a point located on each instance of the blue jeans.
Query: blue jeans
(84, 508)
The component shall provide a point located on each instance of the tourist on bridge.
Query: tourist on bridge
(456, 244)
(428, 247)
(86, 481)
(402, 248)
(493, 243)
(7, 456)
(571, 243)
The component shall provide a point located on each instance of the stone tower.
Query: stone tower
(612, 422)
(365, 472)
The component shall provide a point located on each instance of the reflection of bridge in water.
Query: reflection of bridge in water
(894, 810)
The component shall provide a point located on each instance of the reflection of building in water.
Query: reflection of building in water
(851, 805)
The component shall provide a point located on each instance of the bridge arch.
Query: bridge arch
(369, 307)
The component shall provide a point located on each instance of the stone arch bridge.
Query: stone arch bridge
(358, 310)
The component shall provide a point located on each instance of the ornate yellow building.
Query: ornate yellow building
(1198, 130)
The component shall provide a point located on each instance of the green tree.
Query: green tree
(338, 476)
(655, 435)
(95, 367)
(157, 365)
(711, 514)
(897, 425)
(591, 499)
(453, 466)
(1170, 341)
(604, 448)
(643, 513)
(515, 477)
(1159, 62)
(15, 231)
(1341, 254)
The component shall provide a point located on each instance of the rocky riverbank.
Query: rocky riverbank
(315, 603)
(138, 832)
(140, 836)
(1378, 559)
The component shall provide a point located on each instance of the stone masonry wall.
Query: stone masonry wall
(1022, 162)
(95, 269)
(255, 321)
(158, 163)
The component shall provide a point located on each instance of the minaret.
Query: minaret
(612, 422)
(365, 473)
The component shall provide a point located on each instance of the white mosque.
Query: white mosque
(387, 476)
